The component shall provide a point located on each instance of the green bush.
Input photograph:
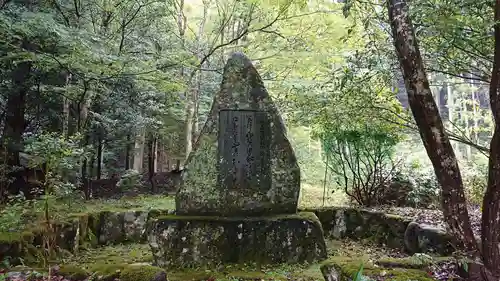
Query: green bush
(415, 187)
(129, 180)
(361, 161)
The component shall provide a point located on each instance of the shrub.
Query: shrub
(361, 162)
(413, 189)
(475, 176)
(129, 180)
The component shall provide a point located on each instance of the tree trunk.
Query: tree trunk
(431, 127)
(490, 227)
(466, 120)
(188, 128)
(196, 106)
(192, 109)
(155, 155)
(83, 111)
(99, 154)
(93, 157)
(475, 117)
(139, 151)
(15, 123)
(65, 122)
(451, 109)
(87, 189)
(151, 161)
(127, 152)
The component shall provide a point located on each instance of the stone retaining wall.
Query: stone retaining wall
(390, 230)
(107, 228)
(80, 231)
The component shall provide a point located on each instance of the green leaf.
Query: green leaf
(358, 276)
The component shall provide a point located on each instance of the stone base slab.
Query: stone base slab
(194, 241)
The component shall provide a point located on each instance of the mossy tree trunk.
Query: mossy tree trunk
(440, 151)
(430, 125)
(490, 227)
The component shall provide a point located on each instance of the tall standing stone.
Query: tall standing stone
(242, 162)
(237, 202)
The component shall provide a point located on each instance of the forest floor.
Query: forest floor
(344, 253)
(311, 197)
(431, 216)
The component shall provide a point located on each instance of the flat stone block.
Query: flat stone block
(194, 241)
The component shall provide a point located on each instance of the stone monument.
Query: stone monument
(242, 163)
(239, 191)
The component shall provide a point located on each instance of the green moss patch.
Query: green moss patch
(145, 272)
(415, 262)
(107, 272)
(111, 261)
(9, 237)
(250, 272)
(73, 273)
(347, 267)
(110, 255)
(66, 210)
(309, 216)
(140, 273)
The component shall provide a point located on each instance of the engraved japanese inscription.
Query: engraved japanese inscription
(244, 145)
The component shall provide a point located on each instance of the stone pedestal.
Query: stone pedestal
(188, 241)
(238, 195)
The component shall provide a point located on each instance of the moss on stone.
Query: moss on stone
(193, 275)
(311, 272)
(192, 241)
(348, 267)
(409, 262)
(116, 254)
(139, 273)
(397, 217)
(136, 272)
(309, 216)
(23, 236)
(249, 272)
(72, 272)
(107, 272)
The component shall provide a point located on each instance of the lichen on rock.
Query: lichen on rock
(203, 192)
(345, 268)
(188, 241)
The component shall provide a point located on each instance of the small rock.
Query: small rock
(160, 276)
(330, 273)
(15, 275)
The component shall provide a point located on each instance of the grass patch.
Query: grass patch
(311, 196)
(117, 254)
(31, 212)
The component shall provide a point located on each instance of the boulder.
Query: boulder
(341, 222)
(242, 163)
(188, 241)
(134, 224)
(422, 238)
(345, 268)
(330, 272)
